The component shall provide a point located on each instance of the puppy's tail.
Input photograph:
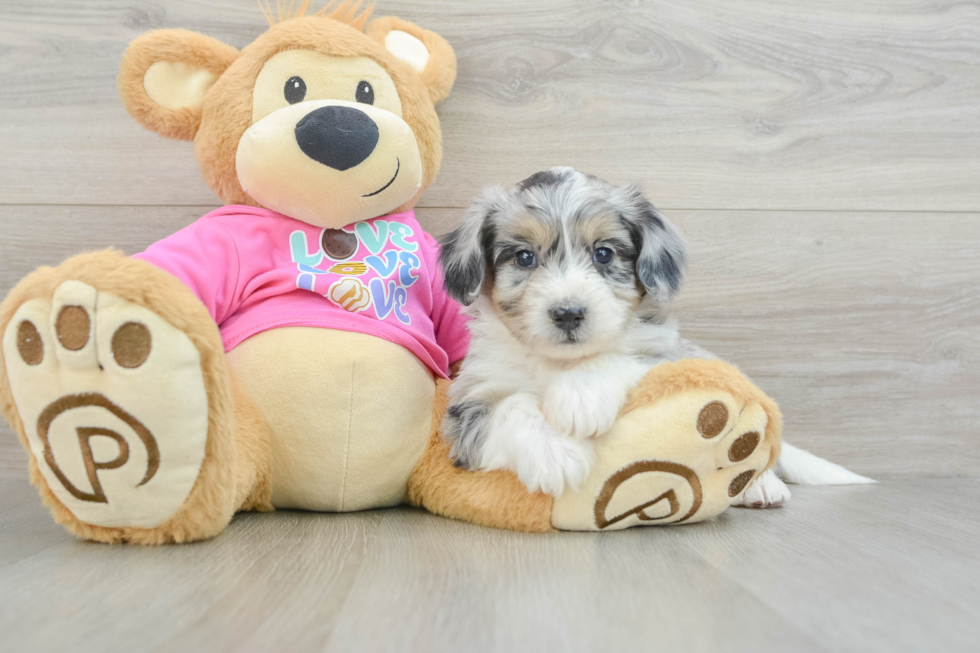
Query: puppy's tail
(803, 468)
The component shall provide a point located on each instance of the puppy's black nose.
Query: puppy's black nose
(337, 137)
(567, 319)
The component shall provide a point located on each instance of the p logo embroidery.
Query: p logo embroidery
(674, 488)
(85, 435)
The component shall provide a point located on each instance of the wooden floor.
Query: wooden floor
(822, 158)
(892, 567)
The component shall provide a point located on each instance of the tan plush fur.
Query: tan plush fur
(227, 111)
(236, 471)
(345, 11)
(440, 72)
(499, 500)
(495, 499)
(217, 493)
(173, 45)
(670, 378)
(253, 457)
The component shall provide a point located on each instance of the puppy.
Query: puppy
(564, 276)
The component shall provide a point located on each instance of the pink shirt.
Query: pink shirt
(255, 269)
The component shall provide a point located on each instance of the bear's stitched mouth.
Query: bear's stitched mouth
(397, 169)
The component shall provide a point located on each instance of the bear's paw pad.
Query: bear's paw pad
(113, 404)
(682, 459)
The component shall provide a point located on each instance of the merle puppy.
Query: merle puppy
(564, 275)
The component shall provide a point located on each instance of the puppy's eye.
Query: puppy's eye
(295, 90)
(365, 93)
(602, 255)
(525, 259)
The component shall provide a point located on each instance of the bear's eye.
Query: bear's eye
(295, 90)
(365, 93)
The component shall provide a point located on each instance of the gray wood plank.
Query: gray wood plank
(273, 574)
(895, 578)
(27, 527)
(563, 592)
(891, 568)
(13, 459)
(796, 104)
(864, 327)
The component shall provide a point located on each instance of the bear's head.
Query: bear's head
(318, 118)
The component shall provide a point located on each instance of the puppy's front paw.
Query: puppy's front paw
(581, 407)
(554, 462)
(521, 440)
(767, 491)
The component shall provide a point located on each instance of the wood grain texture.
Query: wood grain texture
(889, 568)
(822, 157)
(865, 327)
(751, 104)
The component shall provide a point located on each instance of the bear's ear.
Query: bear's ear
(425, 52)
(165, 75)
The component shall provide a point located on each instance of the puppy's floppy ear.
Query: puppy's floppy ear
(425, 52)
(466, 252)
(166, 74)
(661, 254)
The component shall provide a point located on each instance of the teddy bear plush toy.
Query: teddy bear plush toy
(293, 348)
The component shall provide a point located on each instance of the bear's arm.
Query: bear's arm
(448, 318)
(205, 258)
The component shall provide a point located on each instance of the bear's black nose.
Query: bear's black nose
(337, 137)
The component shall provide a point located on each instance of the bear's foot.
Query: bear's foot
(679, 458)
(113, 404)
(693, 436)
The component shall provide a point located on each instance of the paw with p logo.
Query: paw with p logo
(680, 459)
(113, 404)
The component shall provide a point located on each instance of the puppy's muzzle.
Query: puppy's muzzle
(567, 319)
(337, 137)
